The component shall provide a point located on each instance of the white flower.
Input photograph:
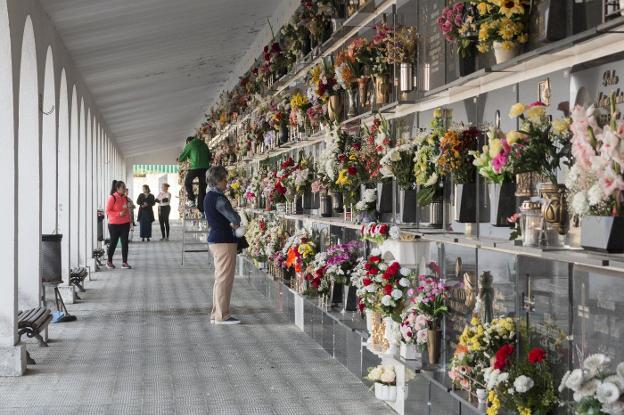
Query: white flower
(397, 294)
(615, 408)
(580, 205)
(433, 179)
(395, 155)
(375, 252)
(370, 195)
(361, 206)
(404, 282)
(511, 391)
(371, 288)
(395, 232)
(375, 374)
(607, 393)
(595, 195)
(388, 376)
(596, 362)
(585, 390)
(575, 379)
(386, 300)
(406, 272)
(616, 380)
(564, 379)
(523, 384)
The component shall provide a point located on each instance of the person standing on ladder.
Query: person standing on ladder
(198, 153)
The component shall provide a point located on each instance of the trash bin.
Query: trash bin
(100, 225)
(51, 268)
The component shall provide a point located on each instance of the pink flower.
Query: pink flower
(499, 162)
(610, 181)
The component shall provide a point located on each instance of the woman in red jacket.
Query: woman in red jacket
(118, 223)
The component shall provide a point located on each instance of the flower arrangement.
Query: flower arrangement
(256, 234)
(381, 286)
(361, 57)
(475, 349)
(368, 204)
(333, 266)
(492, 159)
(431, 295)
(316, 17)
(383, 374)
(322, 81)
(524, 385)
(596, 179)
(455, 154)
(457, 23)
(502, 21)
(402, 45)
(413, 329)
(596, 388)
(274, 62)
(299, 104)
(425, 158)
(398, 163)
(299, 251)
(374, 232)
(345, 73)
(379, 62)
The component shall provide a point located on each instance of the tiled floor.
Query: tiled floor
(143, 343)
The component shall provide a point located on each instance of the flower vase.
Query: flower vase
(382, 90)
(502, 54)
(406, 80)
(433, 342)
(603, 233)
(345, 297)
(391, 335)
(436, 214)
(466, 204)
(526, 184)
(502, 202)
(370, 318)
(363, 91)
(555, 207)
(338, 202)
(409, 352)
(298, 205)
(352, 102)
(283, 132)
(385, 392)
(467, 63)
(335, 108)
(481, 397)
(326, 205)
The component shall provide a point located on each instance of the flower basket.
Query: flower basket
(603, 233)
(385, 392)
(409, 352)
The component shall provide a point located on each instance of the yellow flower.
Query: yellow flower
(536, 114)
(516, 110)
(506, 29)
(483, 47)
(560, 125)
(508, 45)
(235, 186)
(343, 178)
(474, 321)
(484, 8)
(523, 38)
(484, 32)
(495, 147)
(523, 410)
(511, 7)
(495, 404)
(437, 113)
(513, 137)
(352, 157)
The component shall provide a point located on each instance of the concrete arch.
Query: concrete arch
(63, 186)
(29, 174)
(73, 180)
(49, 179)
(8, 284)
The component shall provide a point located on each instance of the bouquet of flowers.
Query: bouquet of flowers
(475, 349)
(455, 154)
(299, 104)
(374, 232)
(425, 158)
(413, 329)
(503, 22)
(322, 81)
(256, 234)
(368, 204)
(380, 64)
(383, 374)
(274, 63)
(361, 57)
(492, 159)
(345, 73)
(398, 163)
(597, 389)
(431, 296)
(402, 46)
(333, 266)
(299, 251)
(382, 287)
(316, 17)
(524, 385)
(457, 23)
(596, 179)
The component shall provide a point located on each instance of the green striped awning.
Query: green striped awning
(155, 168)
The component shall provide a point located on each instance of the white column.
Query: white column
(12, 356)
(73, 182)
(63, 198)
(89, 195)
(82, 185)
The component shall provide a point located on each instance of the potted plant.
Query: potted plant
(458, 24)
(596, 179)
(384, 378)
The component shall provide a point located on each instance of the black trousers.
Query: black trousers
(163, 218)
(188, 185)
(118, 232)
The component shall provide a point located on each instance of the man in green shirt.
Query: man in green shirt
(198, 153)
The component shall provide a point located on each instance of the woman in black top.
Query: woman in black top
(146, 202)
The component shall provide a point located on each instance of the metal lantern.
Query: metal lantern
(407, 77)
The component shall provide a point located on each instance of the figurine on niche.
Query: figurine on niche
(485, 299)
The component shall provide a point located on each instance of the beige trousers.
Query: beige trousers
(225, 267)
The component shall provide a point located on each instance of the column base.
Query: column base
(68, 293)
(12, 360)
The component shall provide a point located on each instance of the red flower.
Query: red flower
(383, 229)
(361, 306)
(352, 170)
(366, 281)
(502, 356)
(308, 277)
(316, 282)
(374, 259)
(373, 270)
(388, 289)
(342, 158)
(536, 355)
(357, 147)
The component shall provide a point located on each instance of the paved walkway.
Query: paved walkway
(144, 344)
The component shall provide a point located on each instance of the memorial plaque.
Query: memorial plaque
(432, 45)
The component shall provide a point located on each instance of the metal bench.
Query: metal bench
(33, 323)
(77, 277)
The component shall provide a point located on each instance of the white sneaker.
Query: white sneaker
(230, 321)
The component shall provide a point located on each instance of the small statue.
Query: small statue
(470, 287)
(485, 299)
